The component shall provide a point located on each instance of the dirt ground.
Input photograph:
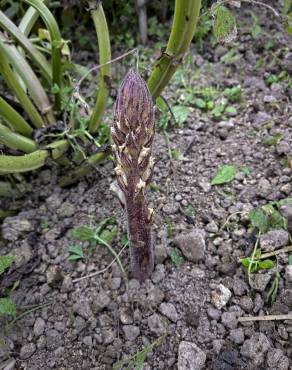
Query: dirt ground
(199, 291)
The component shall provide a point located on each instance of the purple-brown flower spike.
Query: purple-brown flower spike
(132, 133)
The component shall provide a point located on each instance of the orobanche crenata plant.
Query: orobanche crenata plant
(42, 115)
(132, 133)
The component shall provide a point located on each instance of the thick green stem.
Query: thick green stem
(16, 87)
(80, 171)
(28, 20)
(14, 119)
(56, 44)
(29, 78)
(32, 161)
(33, 52)
(183, 28)
(105, 71)
(16, 141)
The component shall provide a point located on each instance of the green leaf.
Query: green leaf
(200, 103)
(231, 110)
(177, 154)
(266, 264)
(7, 307)
(259, 219)
(290, 259)
(245, 261)
(224, 28)
(76, 253)
(284, 201)
(5, 262)
(275, 219)
(176, 258)
(245, 170)
(273, 140)
(224, 174)
(181, 113)
(83, 233)
(218, 110)
(109, 235)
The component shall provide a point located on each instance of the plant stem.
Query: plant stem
(56, 44)
(73, 176)
(16, 87)
(34, 54)
(183, 28)
(29, 78)
(105, 71)
(32, 161)
(28, 20)
(16, 141)
(14, 119)
(140, 239)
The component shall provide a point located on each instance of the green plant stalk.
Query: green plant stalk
(16, 87)
(14, 119)
(29, 78)
(16, 141)
(56, 44)
(32, 161)
(25, 43)
(105, 71)
(183, 28)
(28, 20)
(82, 170)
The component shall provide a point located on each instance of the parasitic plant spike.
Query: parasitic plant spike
(132, 133)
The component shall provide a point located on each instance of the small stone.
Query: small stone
(67, 284)
(169, 310)
(255, 348)
(212, 227)
(23, 254)
(178, 197)
(288, 273)
(190, 357)
(131, 332)
(126, 316)
(237, 336)
(14, 227)
(54, 275)
(192, 245)
(286, 189)
(274, 239)
(264, 187)
(229, 320)
(88, 341)
(276, 360)
(239, 287)
(101, 301)
(213, 313)
(159, 274)
(39, 327)
(66, 210)
(82, 308)
(115, 283)
(53, 339)
(220, 296)
(157, 324)
(246, 303)
(259, 282)
(27, 351)
(171, 209)
(155, 295)
(205, 186)
(160, 253)
(54, 202)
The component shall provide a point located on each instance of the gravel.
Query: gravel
(192, 244)
(190, 357)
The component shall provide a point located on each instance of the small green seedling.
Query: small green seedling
(273, 291)
(99, 235)
(176, 257)
(224, 175)
(75, 253)
(136, 361)
(274, 140)
(255, 264)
